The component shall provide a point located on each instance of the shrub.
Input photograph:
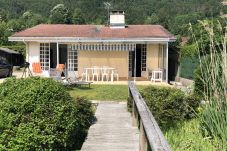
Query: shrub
(169, 105)
(39, 114)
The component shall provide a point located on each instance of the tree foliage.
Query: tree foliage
(21, 14)
(60, 15)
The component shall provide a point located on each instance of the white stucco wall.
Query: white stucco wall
(33, 53)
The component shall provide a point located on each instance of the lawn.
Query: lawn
(102, 92)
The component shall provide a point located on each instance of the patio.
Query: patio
(121, 81)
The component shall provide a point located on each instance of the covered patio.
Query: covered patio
(105, 61)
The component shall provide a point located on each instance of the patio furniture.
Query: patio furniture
(156, 75)
(95, 73)
(36, 68)
(115, 74)
(105, 73)
(149, 73)
(73, 79)
(60, 67)
(85, 75)
(56, 75)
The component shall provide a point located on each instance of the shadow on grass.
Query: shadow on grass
(79, 87)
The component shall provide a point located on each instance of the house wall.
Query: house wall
(115, 59)
(152, 57)
(118, 60)
(33, 52)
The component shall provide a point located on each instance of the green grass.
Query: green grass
(186, 136)
(102, 92)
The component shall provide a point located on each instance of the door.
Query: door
(63, 54)
(136, 61)
(53, 55)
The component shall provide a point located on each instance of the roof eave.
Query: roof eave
(87, 39)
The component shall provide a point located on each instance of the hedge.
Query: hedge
(169, 105)
(39, 114)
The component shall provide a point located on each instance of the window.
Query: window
(162, 56)
(45, 56)
(72, 58)
(130, 60)
(144, 57)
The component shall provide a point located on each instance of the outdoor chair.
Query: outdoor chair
(60, 67)
(84, 74)
(95, 73)
(115, 74)
(149, 73)
(56, 75)
(36, 68)
(105, 73)
(73, 79)
(157, 75)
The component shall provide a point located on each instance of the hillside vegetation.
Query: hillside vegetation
(172, 14)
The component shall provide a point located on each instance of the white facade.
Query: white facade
(33, 52)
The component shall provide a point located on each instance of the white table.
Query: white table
(156, 75)
(99, 68)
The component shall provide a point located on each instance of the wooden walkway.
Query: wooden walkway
(113, 130)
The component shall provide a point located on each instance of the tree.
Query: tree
(153, 19)
(4, 33)
(30, 19)
(78, 17)
(3, 15)
(15, 25)
(60, 15)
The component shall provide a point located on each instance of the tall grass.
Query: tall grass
(186, 136)
(212, 54)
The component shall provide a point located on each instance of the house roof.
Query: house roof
(9, 51)
(95, 31)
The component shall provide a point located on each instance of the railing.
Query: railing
(151, 137)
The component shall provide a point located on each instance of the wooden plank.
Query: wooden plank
(154, 135)
(113, 130)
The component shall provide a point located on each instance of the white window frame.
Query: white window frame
(44, 56)
(144, 57)
(72, 58)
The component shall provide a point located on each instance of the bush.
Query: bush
(39, 114)
(169, 105)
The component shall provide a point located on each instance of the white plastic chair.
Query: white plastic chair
(105, 73)
(115, 74)
(157, 75)
(149, 73)
(84, 74)
(95, 73)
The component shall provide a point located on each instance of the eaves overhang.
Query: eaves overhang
(89, 40)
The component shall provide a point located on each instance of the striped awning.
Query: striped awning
(104, 47)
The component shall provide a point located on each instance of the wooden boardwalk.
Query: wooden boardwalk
(113, 130)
